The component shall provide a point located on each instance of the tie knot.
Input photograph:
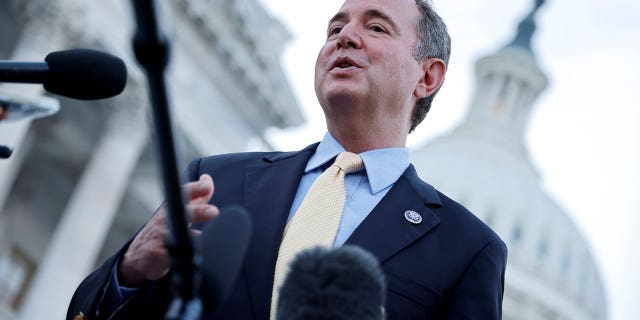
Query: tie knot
(349, 162)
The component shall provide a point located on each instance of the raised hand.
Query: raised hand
(147, 257)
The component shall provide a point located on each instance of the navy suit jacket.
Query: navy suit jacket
(449, 266)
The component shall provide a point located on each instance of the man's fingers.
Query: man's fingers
(146, 258)
(202, 212)
(199, 191)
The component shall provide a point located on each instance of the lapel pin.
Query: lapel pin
(413, 217)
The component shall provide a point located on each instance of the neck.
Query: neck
(366, 125)
(358, 138)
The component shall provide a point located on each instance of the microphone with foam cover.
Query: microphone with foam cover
(223, 244)
(344, 283)
(85, 74)
(82, 74)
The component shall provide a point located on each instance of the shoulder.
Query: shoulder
(231, 163)
(234, 158)
(226, 163)
(455, 221)
(469, 241)
(465, 232)
(466, 222)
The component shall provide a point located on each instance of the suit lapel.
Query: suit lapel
(268, 193)
(386, 231)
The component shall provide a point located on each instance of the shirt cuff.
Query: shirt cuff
(123, 292)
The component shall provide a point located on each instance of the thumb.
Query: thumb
(202, 190)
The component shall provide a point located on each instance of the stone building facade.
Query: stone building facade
(82, 181)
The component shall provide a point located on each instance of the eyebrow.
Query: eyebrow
(336, 17)
(373, 13)
(370, 13)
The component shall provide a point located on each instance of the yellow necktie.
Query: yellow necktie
(316, 221)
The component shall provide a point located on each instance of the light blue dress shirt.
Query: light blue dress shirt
(364, 189)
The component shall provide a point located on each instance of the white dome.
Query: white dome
(550, 272)
(484, 165)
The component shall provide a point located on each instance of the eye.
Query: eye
(377, 28)
(334, 30)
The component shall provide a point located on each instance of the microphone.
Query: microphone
(82, 74)
(223, 243)
(344, 283)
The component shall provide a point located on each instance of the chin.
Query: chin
(341, 99)
(341, 94)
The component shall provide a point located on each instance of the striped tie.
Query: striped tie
(316, 221)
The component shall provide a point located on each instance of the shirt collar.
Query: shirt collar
(383, 166)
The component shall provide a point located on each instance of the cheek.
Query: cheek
(398, 65)
(321, 61)
(320, 69)
(397, 71)
(323, 55)
(409, 72)
(406, 72)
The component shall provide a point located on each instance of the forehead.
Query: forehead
(404, 12)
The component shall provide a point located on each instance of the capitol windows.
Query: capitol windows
(499, 106)
(583, 283)
(542, 248)
(516, 233)
(565, 263)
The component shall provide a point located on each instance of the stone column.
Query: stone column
(89, 214)
(42, 33)
(38, 37)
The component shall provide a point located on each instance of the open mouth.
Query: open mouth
(344, 63)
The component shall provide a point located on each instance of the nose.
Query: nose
(349, 37)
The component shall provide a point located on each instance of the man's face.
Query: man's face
(368, 61)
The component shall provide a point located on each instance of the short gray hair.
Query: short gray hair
(433, 42)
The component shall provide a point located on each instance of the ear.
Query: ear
(433, 70)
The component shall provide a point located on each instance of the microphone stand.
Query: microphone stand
(152, 48)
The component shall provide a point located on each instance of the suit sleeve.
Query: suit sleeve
(480, 290)
(92, 295)
(92, 291)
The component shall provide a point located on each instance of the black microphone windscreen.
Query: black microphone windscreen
(223, 245)
(344, 283)
(85, 74)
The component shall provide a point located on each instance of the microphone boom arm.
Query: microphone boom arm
(23, 72)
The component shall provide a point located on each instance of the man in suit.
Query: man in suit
(376, 75)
